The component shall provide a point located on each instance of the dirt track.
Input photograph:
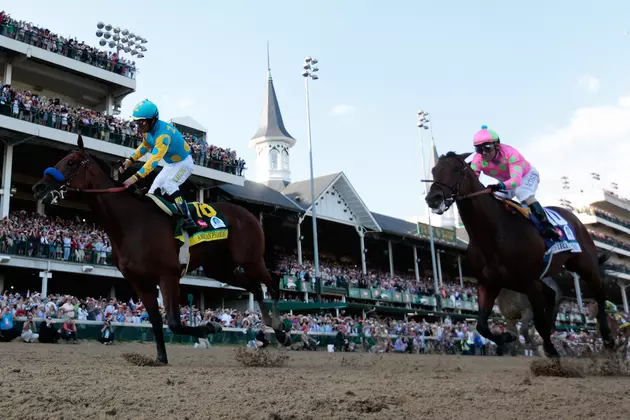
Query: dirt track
(90, 381)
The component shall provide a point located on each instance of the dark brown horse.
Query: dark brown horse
(146, 252)
(506, 250)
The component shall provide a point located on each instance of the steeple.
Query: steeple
(272, 142)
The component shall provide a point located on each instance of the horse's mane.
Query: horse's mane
(106, 169)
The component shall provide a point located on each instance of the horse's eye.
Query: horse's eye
(71, 163)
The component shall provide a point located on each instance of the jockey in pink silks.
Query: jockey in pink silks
(515, 174)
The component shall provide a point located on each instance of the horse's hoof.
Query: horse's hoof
(553, 355)
(609, 344)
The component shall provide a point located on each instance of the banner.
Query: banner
(439, 233)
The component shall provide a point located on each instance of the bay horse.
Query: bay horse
(146, 252)
(506, 250)
(515, 307)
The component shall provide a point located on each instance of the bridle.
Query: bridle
(454, 195)
(58, 194)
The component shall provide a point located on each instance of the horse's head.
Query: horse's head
(71, 172)
(449, 172)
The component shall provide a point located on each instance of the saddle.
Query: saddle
(514, 207)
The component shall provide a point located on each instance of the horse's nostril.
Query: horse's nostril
(39, 188)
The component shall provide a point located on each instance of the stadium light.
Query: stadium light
(424, 124)
(121, 40)
(310, 72)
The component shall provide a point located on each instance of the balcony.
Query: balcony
(63, 52)
(103, 133)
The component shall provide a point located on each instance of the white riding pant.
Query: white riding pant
(527, 189)
(172, 176)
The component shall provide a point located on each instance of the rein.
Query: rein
(454, 195)
(460, 197)
(59, 193)
(103, 190)
(474, 194)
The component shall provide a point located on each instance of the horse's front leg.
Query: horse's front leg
(149, 296)
(541, 319)
(486, 295)
(170, 295)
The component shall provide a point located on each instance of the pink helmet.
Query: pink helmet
(485, 135)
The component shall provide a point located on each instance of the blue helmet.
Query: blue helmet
(145, 110)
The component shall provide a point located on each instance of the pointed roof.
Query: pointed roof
(258, 193)
(300, 193)
(189, 122)
(271, 126)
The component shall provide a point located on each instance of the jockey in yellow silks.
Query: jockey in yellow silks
(163, 141)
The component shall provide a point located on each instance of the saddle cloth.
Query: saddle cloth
(211, 226)
(567, 242)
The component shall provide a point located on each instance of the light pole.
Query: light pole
(424, 124)
(566, 186)
(310, 72)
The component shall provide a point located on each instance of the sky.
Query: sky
(550, 77)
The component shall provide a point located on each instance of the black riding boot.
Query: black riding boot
(189, 223)
(549, 231)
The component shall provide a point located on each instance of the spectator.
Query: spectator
(28, 330)
(47, 331)
(107, 333)
(69, 331)
(7, 331)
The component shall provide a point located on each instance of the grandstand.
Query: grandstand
(370, 261)
(607, 217)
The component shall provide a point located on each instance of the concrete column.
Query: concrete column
(260, 218)
(459, 267)
(41, 208)
(45, 275)
(1, 284)
(299, 240)
(361, 232)
(6, 179)
(115, 173)
(202, 301)
(160, 299)
(200, 195)
(415, 263)
(391, 258)
(251, 303)
(8, 74)
(109, 104)
(578, 291)
(439, 263)
(112, 293)
(624, 296)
